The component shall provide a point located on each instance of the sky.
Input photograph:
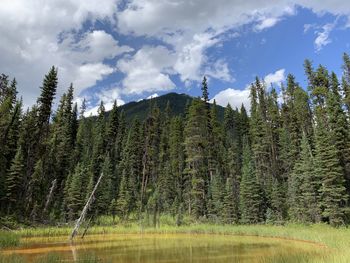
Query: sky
(129, 50)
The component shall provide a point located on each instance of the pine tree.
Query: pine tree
(229, 210)
(14, 182)
(196, 157)
(131, 167)
(250, 192)
(177, 162)
(333, 196)
(260, 139)
(10, 118)
(339, 126)
(75, 198)
(166, 182)
(346, 81)
(216, 196)
(328, 167)
(308, 188)
(48, 91)
(99, 146)
(103, 194)
(123, 201)
(205, 93)
(150, 159)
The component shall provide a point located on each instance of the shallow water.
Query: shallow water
(169, 248)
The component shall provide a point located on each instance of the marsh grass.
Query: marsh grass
(51, 258)
(9, 239)
(336, 240)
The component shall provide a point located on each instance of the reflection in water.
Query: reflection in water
(167, 248)
(74, 251)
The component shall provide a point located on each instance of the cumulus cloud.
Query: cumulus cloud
(37, 34)
(234, 97)
(275, 78)
(192, 28)
(93, 46)
(148, 70)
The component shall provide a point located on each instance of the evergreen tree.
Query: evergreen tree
(177, 163)
(229, 210)
(260, 140)
(333, 196)
(75, 198)
(103, 194)
(48, 91)
(14, 182)
(123, 201)
(346, 81)
(339, 126)
(250, 192)
(205, 93)
(196, 157)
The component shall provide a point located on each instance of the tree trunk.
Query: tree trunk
(85, 209)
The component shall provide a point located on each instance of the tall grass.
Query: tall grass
(50, 258)
(9, 239)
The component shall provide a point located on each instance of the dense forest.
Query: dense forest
(286, 160)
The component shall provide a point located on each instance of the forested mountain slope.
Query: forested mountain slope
(178, 104)
(285, 161)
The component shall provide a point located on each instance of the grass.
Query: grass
(336, 239)
(50, 258)
(9, 239)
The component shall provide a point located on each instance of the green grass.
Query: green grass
(50, 258)
(9, 239)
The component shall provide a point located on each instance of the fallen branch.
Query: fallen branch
(85, 209)
(49, 196)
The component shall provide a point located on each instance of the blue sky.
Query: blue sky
(129, 50)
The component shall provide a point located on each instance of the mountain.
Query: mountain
(178, 103)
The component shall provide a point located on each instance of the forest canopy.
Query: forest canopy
(286, 160)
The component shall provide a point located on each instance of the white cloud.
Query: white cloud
(337, 7)
(193, 27)
(30, 44)
(266, 23)
(322, 38)
(191, 57)
(37, 34)
(219, 70)
(308, 27)
(234, 97)
(88, 74)
(155, 95)
(148, 70)
(108, 97)
(93, 46)
(275, 78)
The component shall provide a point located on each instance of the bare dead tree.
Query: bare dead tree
(85, 209)
(49, 196)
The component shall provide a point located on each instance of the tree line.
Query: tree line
(287, 160)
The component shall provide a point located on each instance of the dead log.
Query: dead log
(85, 209)
(86, 228)
(49, 196)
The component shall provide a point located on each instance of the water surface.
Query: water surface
(168, 248)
